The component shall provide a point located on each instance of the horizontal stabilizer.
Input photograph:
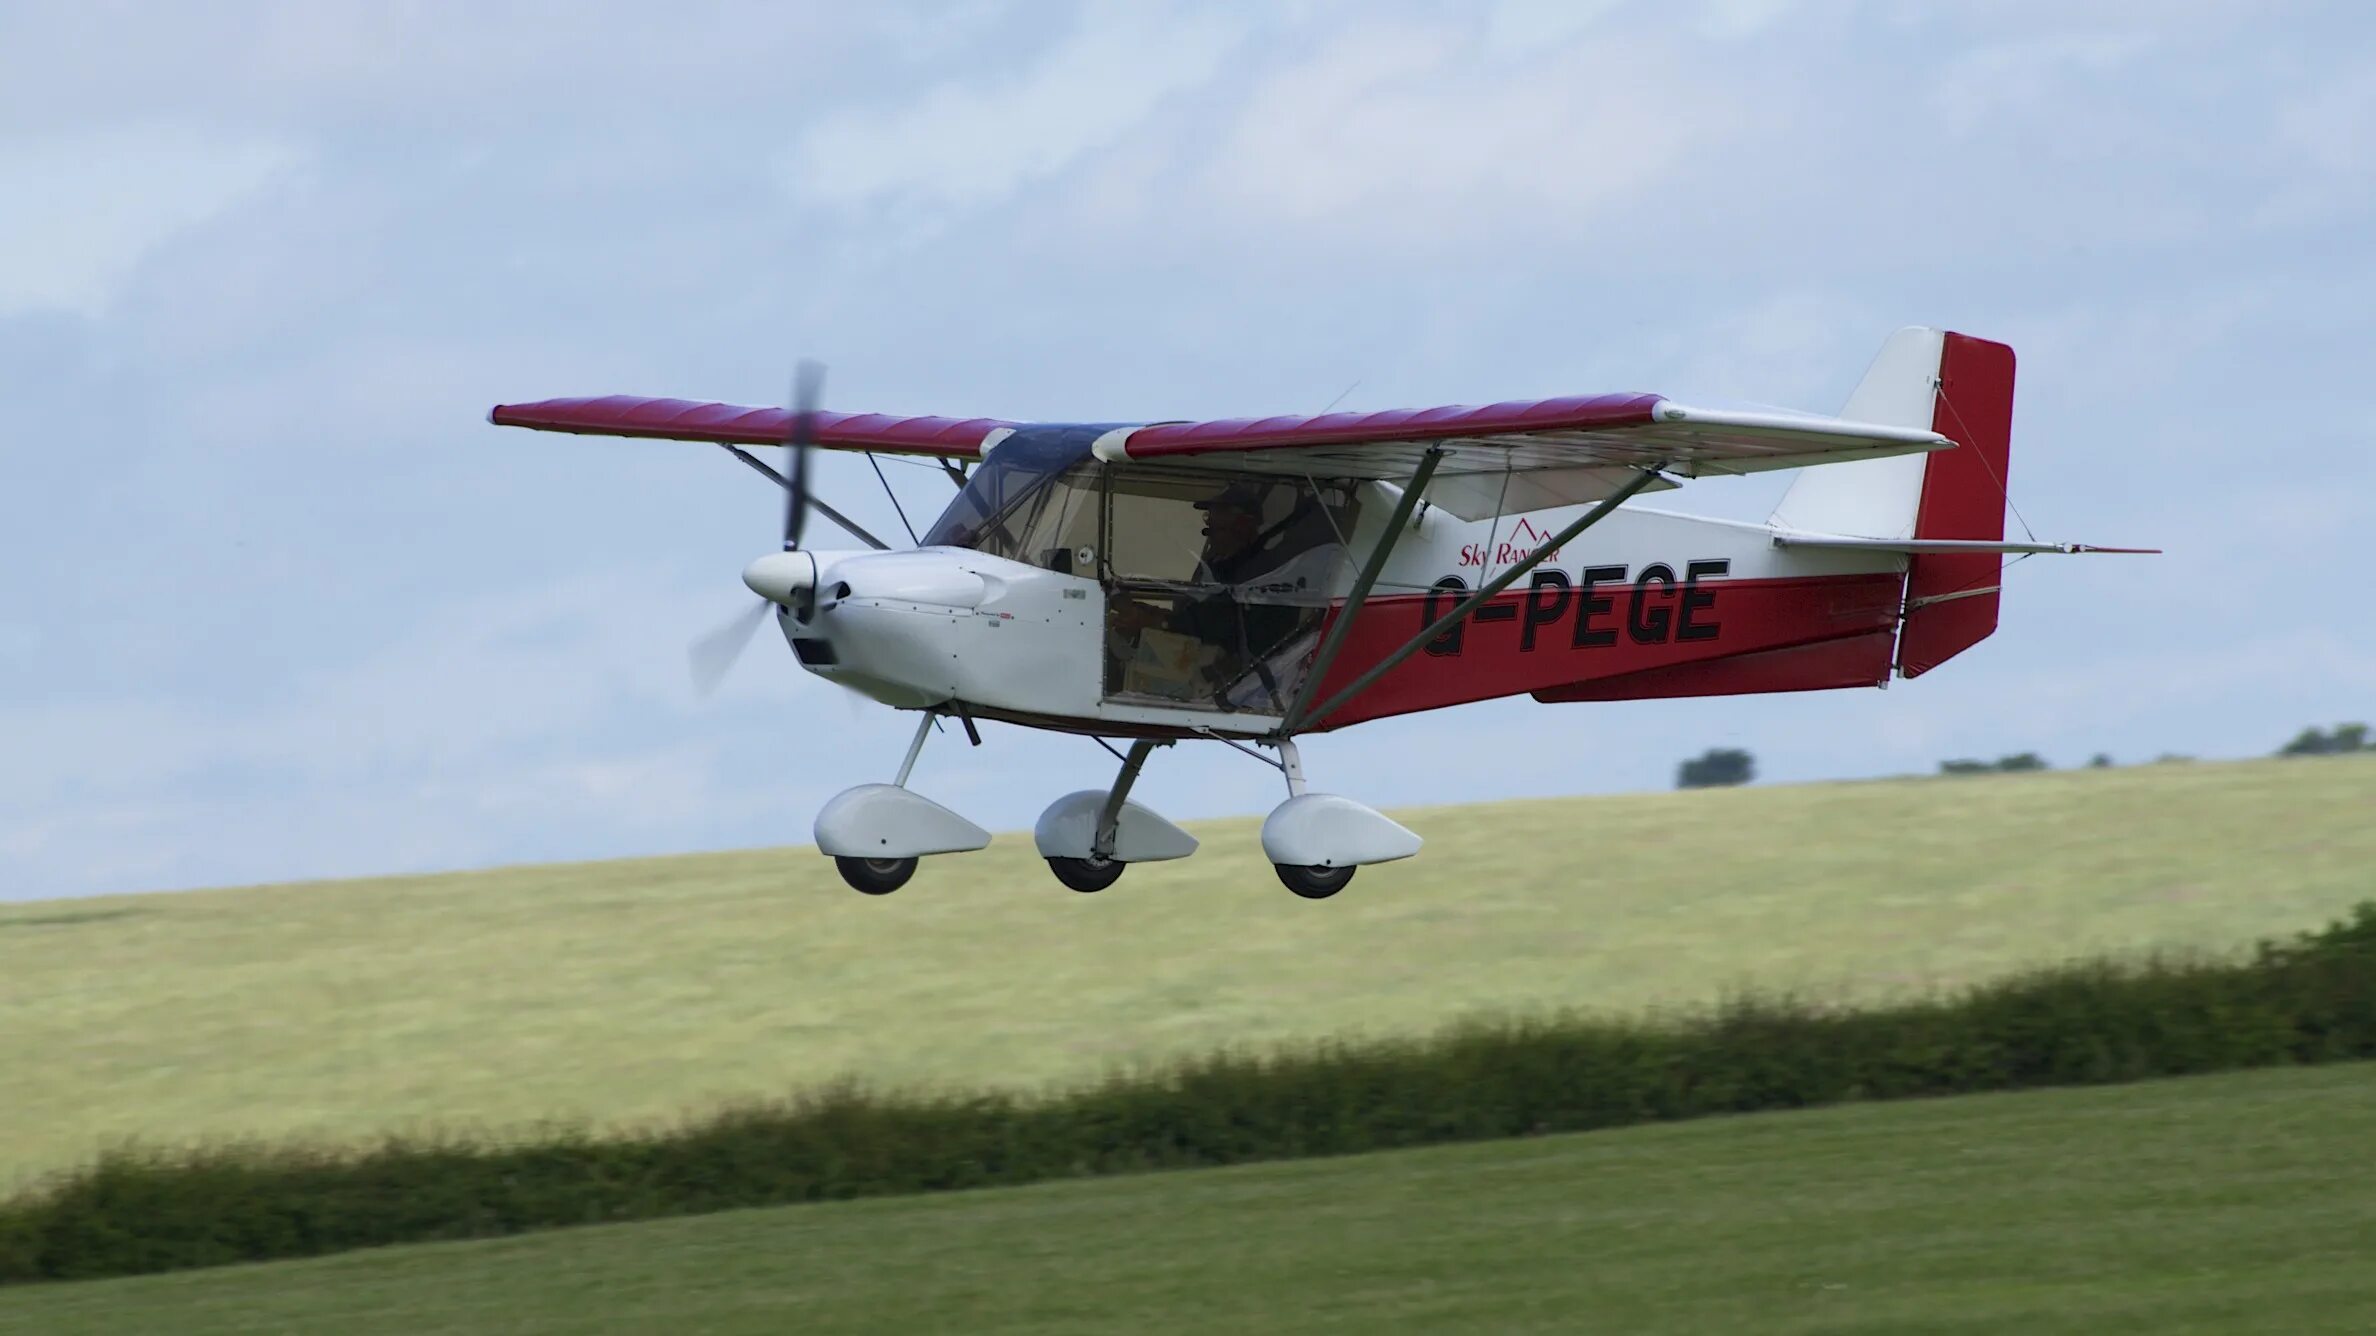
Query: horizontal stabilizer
(1787, 538)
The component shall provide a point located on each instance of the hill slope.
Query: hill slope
(631, 989)
(2219, 1203)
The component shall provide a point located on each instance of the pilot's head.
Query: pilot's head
(1233, 520)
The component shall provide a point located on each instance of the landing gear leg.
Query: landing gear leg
(1101, 869)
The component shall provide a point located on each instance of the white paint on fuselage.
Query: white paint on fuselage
(1633, 537)
(937, 625)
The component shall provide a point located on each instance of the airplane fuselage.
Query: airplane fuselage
(1644, 603)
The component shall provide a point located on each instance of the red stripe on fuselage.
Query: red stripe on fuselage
(1542, 638)
(1826, 665)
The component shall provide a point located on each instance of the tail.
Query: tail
(1962, 388)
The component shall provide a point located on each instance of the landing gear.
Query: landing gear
(875, 832)
(1316, 840)
(1089, 837)
(1087, 874)
(1312, 881)
(876, 876)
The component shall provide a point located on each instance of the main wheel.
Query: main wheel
(876, 876)
(1313, 882)
(1087, 874)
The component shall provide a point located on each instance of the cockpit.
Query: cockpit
(1216, 584)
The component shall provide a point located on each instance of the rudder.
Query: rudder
(1952, 597)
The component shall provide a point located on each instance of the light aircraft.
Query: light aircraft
(1250, 581)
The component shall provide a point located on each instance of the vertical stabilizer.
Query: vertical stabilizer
(1875, 498)
(1951, 597)
(1962, 388)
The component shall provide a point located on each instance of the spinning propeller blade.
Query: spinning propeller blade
(800, 434)
(715, 652)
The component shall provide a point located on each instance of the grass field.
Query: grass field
(632, 990)
(2213, 1204)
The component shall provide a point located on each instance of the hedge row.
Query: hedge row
(2309, 1000)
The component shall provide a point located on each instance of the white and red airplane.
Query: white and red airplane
(1254, 580)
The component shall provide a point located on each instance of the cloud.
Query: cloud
(1732, 20)
(81, 209)
(1405, 133)
(2329, 129)
(1517, 28)
(2029, 76)
(978, 140)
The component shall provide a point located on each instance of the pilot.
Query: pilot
(1234, 555)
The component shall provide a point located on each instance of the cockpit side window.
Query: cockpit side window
(1216, 586)
(1155, 532)
(1258, 533)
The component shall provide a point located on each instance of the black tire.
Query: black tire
(876, 876)
(1313, 883)
(1087, 874)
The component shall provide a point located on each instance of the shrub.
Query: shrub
(2310, 999)
(2345, 739)
(2020, 761)
(1716, 768)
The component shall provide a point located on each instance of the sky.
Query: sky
(279, 604)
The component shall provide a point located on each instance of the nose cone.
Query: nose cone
(780, 577)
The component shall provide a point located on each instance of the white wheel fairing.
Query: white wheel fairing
(1326, 830)
(1068, 829)
(877, 821)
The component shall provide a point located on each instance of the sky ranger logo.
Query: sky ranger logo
(1659, 607)
(1520, 545)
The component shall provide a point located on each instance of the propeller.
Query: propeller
(715, 653)
(800, 436)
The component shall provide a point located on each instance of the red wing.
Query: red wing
(1527, 455)
(735, 424)
(1498, 459)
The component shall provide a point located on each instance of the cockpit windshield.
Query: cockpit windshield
(1033, 500)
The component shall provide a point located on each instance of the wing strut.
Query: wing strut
(1362, 583)
(827, 511)
(1642, 478)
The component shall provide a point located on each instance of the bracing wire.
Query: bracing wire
(1964, 431)
(902, 510)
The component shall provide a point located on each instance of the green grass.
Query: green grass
(634, 990)
(2212, 1204)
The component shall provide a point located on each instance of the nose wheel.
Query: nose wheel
(1312, 881)
(876, 876)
